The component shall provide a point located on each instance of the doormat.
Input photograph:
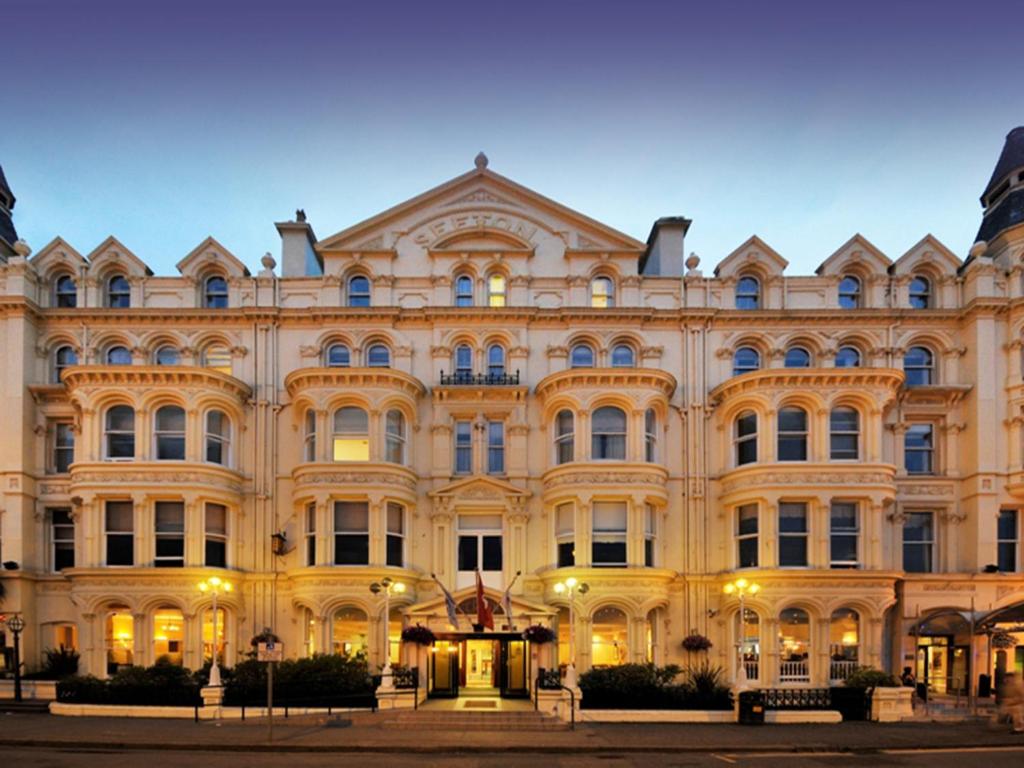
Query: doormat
(480, 704)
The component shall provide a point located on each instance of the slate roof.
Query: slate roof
(1008, 213)
(7, 199)
(1011, 159)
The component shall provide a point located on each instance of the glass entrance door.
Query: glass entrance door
(515, 669)
(444, 670)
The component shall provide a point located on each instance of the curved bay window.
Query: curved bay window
(218, 438)
(650, 435)
(794, 646)
(169, 635)
(745, 359)
(65, 293)
(602, 293)
(169, 434)
(496, 291)
(215, 292)
(338, 356)
(919, 367)
(359, 291)
(745, 438)
(608, 434)
(463, 291)
(119, 639)
(351, 533)
(564, 437)
(609, 534)
(394, 432)
(119, 433)
(350, 630)
(610, 637)
(849, 293)
(119, 292)
(351, 434)
(844, 434)
(848, 357)
(748, 293)
(581, 356)
(843, 643)
(309, 436)
(792, 438)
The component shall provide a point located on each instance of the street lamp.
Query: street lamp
(215, 585)
(387, 586)
(16, 624)
(741, 588)
(570, 587)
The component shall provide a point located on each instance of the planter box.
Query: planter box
(30, 689)
(891, 705)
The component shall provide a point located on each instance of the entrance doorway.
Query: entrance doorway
(478, 667)
(480, 664)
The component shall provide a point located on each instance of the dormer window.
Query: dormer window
(496, 291)
(65, 293)
(849, 293)
(215, 293)
(920, 293)
(602, 293)
(463, 291)
(748, 293)
(359, 291)
(119, 293)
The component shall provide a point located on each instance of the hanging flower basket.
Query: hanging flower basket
(1003, 640)
(696, 642)
(418, 634)
(539, 634)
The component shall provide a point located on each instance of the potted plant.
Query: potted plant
(538, 634)
(696, 642)
(890, 702)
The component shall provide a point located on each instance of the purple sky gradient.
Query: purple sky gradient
(801, 122)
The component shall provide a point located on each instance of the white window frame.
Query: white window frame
(169, 433)
(338, 433)
(841, 433)
(739, 441)
(395, 442)
(610, 535)
(59, 535)
(804, 535)
(223, 440)
(844, 533)
(59, 448)
(168, 561)
(563, 439)
(108, 432)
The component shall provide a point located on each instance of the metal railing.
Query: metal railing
(840, 670)
(469, 379)
(794, 672)
(551, 680)
(797, 698)
(752, 668)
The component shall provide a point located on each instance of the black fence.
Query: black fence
(469, 379)
(549, 679)
(797, 698)
(329, 703)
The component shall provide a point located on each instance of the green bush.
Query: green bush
(868, 677)
(645, 686)
(162, 685)
(324, 678)
(60, 663)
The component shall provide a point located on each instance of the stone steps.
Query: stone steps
(465, 720)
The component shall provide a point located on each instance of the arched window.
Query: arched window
(495, 361)
(394, 428)
(650, 435)
(351, 434)
(218, 438)
(63, 357)
(217, 357)
(748, 293)
(920, 292)
(309, 436)
(749, 634)
(166, 355)
(119, 292)
(792, 438)
(843, 643)
(169, 635)
(169, 434)
(350, 629)
(565, 439)
(359, 291)
(849, 292)
(610, 638)
(919, 367)
(745, 438)
(338, 356)
(848, 357)
(623, 356)
(119, 639)
(215, 292)
(463, 363)
(378, 356)
(844, 434)
(496, 291)
(602, 293)
(119, 433)
(794, 645)
(745, 359)
(608, 434)
(119, 355)
(65, 293)
(463, 291)
(797, 357)
(581, 356)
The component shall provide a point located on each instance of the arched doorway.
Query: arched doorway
(942, 660)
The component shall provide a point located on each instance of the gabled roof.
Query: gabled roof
(436, 604)
(209, 250)
(739, 256)
(482, 484)
(927, 243)
(856, 243)
(112, 243)
(57, 246)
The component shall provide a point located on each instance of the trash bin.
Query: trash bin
(851, 703)
(751, 708)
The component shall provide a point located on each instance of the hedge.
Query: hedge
(322, 679)
(645, 686)
(162, 685)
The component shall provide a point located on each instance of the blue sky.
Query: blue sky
(800, 122)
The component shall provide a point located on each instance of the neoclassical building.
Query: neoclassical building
(481, 378)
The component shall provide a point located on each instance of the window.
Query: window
(169, 434)
(609, 537)
(311, 534)
(309, 436)
(844, 534)
(359, 291)
(602, 293)
(792, 534)
(63, 358)
(62, 538)
(745, 359)
(463, 291)
(169, 517)
(351, 434)
(843, 642)
(65, 294)
(650, 534)
(918, 367)
(918, 542)
(650, 435)
(63, 446)
(919, 449)
(394, 433)
(495, 361)
(218, 438)
(797, 357)
(169, 635)
(748, 293)
(565, 534)
(463, 363)
(350, 628)
(623, 356)
(794, 645)
(120, 532)
(119, 356)
(746, 536)
(1007, 540)
(920, 292)
(844, 434)
(463, 447)
(119, 433)
(608, 439)
(745, 438)
(565, 439)
(119, 293)
(217, 357)
(792, 442)
(166, 355)
(338, 356)
(396, 535)
(378, 356)
(581, 356)
(496, 291)
(119, 639)
(848, 357)
(609, 644)
(480, 547)
(849, 292)
(495, 447)
(215, 293)
(216, 536)
(351, 533)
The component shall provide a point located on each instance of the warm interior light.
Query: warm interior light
(351, 449)
(849, 638)
(215, 581)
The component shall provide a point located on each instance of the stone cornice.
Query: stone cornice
(812, 476)
(80, 378)
(355, 379)
(623, 475)
(611, 379)
(795, 379)
(324, 476)
(480, 394)
(150, 477)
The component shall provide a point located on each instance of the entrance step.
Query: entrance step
(460, 719)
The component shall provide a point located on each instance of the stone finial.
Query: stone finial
(24, 250)
(480, 161)
(300, 215)
(693, 261)
(978, 249)
(268, 261)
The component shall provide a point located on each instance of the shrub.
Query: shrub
(162, 685)
(645, 686)
(868, 677)
(322, 678)
(706, 687)
(60, 663)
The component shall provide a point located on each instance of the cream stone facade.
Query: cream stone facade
(481, 377)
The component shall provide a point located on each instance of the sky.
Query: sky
(801, 122)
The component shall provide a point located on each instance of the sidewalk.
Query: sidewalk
(366, 733)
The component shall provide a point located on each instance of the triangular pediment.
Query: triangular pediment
(754, 254)
(927, 250)
(481, 488)
(112, 251)
(209, 253)
(435, 606)
(57, 253)
(859, 251)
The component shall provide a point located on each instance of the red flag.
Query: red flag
(484, 614)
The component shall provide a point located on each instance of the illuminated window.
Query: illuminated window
(215, 293)
(119, 293)
(65, 294)
(169, 434)
(843, 642)
(496, 291)
(217, 357)
(208, 636)
(602, 293)
(169, 635)
(119, 639)
(794, 645)
(609, 638)
(351, 434)
(350, 629)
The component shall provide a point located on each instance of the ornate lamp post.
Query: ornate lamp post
(570, 587)
(387, 586)
(741, 588)
(16, 624)
(215, 585)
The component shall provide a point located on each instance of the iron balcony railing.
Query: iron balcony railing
(470, 379)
